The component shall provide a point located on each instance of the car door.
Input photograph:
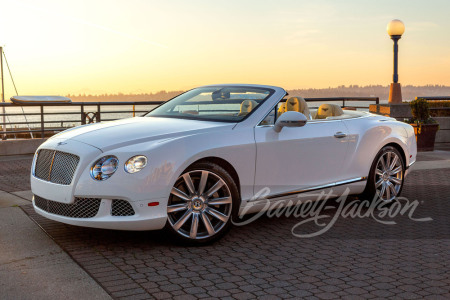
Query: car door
(298, 158)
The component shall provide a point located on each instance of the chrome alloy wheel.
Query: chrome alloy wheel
(200, 204)
(388, 176)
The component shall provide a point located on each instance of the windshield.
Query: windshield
(224, 104)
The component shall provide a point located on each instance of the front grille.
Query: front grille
(56, 166)
(81, 208)
(121, 208)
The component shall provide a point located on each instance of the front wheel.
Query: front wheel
(201, 204)
(385, 181)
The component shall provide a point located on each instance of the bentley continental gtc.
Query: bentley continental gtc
(200, 160)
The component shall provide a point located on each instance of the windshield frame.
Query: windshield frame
(193, 117)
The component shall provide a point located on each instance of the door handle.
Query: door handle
(340, 135)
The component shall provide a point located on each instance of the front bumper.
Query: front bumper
(145, 217)
(59, 202)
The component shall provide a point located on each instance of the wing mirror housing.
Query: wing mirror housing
(290, 119)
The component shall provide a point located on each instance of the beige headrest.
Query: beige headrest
(281, 108)
(329, 110)
(298, 104)
(246, 107)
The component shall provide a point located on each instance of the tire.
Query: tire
(385, 184)
(202, 203)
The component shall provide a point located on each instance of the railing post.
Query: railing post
(4, 136)
(377, 101)
(83, 117)
(343, 102)
(42, 122)
(99, 119)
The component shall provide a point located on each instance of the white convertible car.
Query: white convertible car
(197, 161)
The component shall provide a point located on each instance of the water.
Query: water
(64, 119)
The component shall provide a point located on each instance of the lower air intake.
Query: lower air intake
(121, 208)
(81, 208)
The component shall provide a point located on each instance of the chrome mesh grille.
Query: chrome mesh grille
(56, 166)
(121, 208)
(43, 164)
(81, 208)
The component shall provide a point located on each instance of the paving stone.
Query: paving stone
(356, 259)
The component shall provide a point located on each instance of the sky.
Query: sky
(60, 47)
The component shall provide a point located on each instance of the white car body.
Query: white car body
(303, 159)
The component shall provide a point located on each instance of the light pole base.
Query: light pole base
(395, 94)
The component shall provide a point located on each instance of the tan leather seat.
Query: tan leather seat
(298, 104)
(246, 107)
(329, 110)
(281, 109)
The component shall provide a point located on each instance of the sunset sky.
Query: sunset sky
(136, 46)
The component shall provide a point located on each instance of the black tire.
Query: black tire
(201, 205)
(370, 192)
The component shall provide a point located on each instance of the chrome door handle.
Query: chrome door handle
(340, 135)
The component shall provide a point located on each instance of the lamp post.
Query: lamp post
(395, 29)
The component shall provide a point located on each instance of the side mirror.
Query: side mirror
(290, 119)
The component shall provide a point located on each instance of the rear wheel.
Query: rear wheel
(201, 204)
(386, 176)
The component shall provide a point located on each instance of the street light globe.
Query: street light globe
(395, 27)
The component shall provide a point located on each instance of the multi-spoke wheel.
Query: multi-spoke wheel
(201, 203)
(386, 175)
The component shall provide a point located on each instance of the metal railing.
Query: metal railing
(43, 127)
(85, 112)
(436, 98)
(345, 101)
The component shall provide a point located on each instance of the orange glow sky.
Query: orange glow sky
(135, 46)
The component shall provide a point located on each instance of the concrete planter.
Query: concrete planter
(443, 135)
(425, 136)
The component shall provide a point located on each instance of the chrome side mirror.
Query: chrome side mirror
(290, 119)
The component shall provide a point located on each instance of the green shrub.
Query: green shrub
(441, 108)
(420, 110)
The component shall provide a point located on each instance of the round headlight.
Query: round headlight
(135, 164)
(104, 168)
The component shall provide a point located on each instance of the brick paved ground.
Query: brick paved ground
(357, 258)
(15, 174)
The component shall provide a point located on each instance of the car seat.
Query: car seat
(298, 104)
(246, 107)
(328, 110)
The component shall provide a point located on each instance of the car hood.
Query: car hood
(110, 135)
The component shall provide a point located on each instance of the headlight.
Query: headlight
(104, 167)
(135, 164)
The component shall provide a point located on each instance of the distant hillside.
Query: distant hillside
(158, 96)
(409, 92)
